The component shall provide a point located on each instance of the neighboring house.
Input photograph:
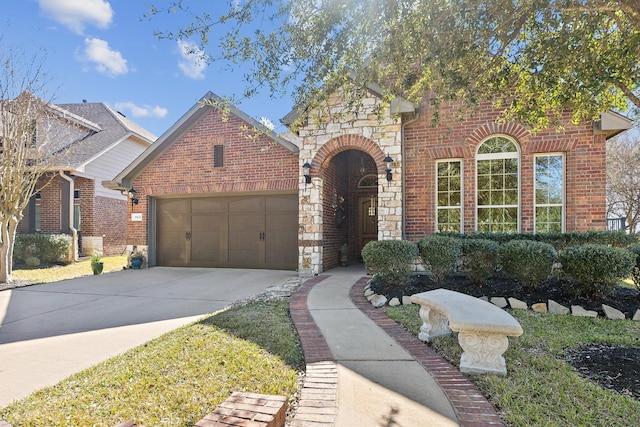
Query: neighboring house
(403, 176)
(97, 143)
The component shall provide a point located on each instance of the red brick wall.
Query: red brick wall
(51, 202)
(252, 163)
(110, 219)
(585, 178)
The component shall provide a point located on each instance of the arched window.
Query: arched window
(497, 185)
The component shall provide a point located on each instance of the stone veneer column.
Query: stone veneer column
(387, 135)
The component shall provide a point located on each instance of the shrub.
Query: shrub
(528, 261)
(441, 254)
(49, 248)
(390, 261)
(595, 269)
(635, 274)
(480, 257)
(32, 261)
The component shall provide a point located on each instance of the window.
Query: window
(497, 185)
(38, 212)
(549, 193)
(77, 218)
(218, 156)
(449, 196)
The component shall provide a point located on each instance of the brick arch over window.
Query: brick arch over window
(514, 130)
(344, 143)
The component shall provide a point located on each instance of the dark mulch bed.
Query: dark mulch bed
(613, 367)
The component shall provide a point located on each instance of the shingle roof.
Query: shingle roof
(113, 127)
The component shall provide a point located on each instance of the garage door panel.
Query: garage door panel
(238, 231)
(282, 239)
(209, 239)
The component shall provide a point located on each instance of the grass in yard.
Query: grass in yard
(70, 271)
(540, 387)
(178, 378)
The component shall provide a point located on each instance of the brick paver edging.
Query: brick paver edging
(317, 405)
(471, 407)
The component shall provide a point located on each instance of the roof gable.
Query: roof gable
(183, 125)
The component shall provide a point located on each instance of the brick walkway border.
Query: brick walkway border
(471, 407)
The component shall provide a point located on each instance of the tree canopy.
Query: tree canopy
(532, 58)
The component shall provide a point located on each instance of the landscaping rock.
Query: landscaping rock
(517, 304)
(485, 299)
(556, 308)
(378, 300)
(499, 301)
(370, 297)
(612, 313)
(394, 302)
(577, 310)
(637, 315)
(368, 292)
(539, 307)
(406, 300)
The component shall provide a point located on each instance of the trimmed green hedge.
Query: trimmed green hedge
(559, 241)
(48, 248)
(390, 260)
(479, 258)
(441, 254)
(595, 269)
(528, 261)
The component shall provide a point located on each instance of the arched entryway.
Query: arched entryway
(350, 218)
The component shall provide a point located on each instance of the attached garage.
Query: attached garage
(249, 231)
(218, 189)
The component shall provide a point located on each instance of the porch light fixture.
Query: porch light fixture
(306, 169)
(387, 167)
(132, 197)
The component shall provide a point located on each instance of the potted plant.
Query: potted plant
(136, 259)
(96, 263)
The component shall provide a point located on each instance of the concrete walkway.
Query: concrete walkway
(384, 376)
(50, 331)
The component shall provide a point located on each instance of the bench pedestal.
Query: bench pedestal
(434, 324)
(482, 353)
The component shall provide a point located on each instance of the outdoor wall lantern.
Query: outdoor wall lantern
(387, 167)
(306, 169)
(132, 197)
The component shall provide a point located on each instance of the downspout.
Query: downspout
(74, 232)
(404, 173)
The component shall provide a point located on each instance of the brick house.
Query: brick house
(97, 142)
(217, 189)
(399, 177)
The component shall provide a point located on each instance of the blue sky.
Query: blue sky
(105, 51)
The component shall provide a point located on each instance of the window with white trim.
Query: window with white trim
(449, 196)
(549, 193)
(497, 185)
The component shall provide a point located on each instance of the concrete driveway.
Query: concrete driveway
(48, 332)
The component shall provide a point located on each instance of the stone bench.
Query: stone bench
(482, 328)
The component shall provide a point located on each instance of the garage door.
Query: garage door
(243, 232)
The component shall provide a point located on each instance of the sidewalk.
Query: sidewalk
(365, 370)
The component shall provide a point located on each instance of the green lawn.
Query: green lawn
(540, 388)
(178, 378)
(70, 271)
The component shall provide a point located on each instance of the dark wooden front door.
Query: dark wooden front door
(367, 222)
(243, 232)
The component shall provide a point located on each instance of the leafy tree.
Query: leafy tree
(533, 58)
(623, 178)
(26, 143)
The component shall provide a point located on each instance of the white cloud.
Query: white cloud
(193, 63)
(76, 14)
(107, 60)
(144, 111)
